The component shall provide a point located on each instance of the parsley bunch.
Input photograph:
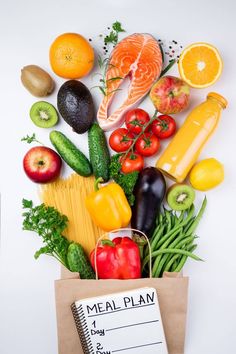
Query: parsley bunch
(49, 224)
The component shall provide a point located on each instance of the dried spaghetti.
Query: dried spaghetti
(68, 196)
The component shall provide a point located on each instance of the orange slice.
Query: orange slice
(200, 65)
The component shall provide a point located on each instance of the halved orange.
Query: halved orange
(200, 65)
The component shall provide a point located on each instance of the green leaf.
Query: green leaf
(110, 92)
(42, 250)
(168, 67)
(115, 78)
(111, 38)
(102, 90)
(117, 27)
(100, 62)
(29, 139)
(27, 203)
(162, 53)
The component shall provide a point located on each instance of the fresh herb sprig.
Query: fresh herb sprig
(113, 36)
(29, 139)
(168, 67)
(104, 83)
(49, 224)
(104, 64)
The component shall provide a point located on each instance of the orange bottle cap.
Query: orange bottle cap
(219, 98)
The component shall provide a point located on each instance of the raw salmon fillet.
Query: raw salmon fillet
(139, 57)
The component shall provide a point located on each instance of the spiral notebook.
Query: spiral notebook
(125, 323)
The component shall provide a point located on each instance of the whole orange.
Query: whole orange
(71, 56)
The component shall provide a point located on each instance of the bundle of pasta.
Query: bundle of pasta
(68, 196)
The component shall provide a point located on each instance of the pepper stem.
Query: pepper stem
(141, 242)
(107, 242)
(97, 182)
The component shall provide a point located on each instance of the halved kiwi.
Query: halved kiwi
(43, 114)
(180, 196)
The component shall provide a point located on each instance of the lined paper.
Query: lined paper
(128, 322)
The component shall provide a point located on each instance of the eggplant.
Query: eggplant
(149, 192)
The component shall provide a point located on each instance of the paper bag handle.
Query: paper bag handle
(117, 230)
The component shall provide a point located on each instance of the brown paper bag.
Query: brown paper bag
(172, 292)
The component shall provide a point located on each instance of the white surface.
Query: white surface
(27, 312)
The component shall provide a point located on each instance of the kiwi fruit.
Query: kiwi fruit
(180, 196)
(43, 114)
(37, 81)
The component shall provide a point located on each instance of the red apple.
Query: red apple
(170, 95)
(42, 164)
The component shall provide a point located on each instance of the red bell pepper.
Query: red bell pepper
(117, 259)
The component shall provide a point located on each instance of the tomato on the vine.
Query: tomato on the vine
(163, 126)
(121, 140)
(132, 162)
(147, 144)
(135, 119)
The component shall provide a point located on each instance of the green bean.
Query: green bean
(167, 235)
(156, 265)
(181, 217)
(175, 264)
(174, 220)
(179, 242)
(171, 261)
(173, 235)
(160, 218)
(173, 251)
(157, 237)
(153, 243)
(168, 220)
(184, 259)
(162, 259)
(178, 227)
(189, 224)
(199, 216)
(146, 250)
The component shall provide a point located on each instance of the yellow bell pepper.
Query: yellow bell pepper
(108, 206)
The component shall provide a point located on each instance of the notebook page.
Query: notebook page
(128, 322)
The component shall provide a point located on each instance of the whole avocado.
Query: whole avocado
(75, 104)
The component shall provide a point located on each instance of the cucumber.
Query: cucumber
(98, 152)
(71, 154)
(78, 261)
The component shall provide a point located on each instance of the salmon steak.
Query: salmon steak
(138, 57)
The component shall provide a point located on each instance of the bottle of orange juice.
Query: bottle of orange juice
(184, 149)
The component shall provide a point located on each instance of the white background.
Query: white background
(27, 310)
